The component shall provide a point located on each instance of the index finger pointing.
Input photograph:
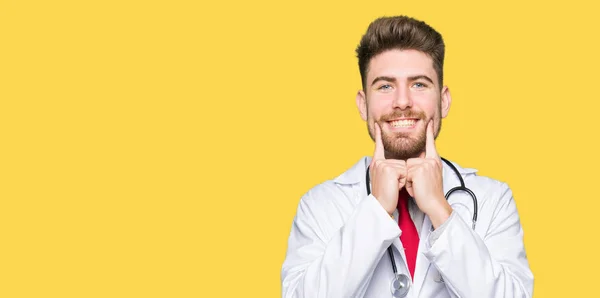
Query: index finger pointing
(379, 152)
(430, 151)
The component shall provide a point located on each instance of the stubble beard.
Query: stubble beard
(404, 146)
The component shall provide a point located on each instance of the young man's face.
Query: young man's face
(402, 94)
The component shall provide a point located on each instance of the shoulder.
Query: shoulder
(485, 187)
(340, 189)
(325, 191)
(496, 207)
(487, 184)
(489, 187)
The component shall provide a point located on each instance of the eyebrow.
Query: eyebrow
(383, 78)
(424, 77)
(393, 80)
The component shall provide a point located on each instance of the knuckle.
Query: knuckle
(387, 169)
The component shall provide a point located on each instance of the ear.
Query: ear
(361, 104)
(446, 101)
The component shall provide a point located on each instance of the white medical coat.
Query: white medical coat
(339, 239)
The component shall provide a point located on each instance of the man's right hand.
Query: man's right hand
(388, 176)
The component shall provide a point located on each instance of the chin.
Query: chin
(404, 150)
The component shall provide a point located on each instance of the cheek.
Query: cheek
(377, 108)
(430, 108)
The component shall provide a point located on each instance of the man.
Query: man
(339, 241)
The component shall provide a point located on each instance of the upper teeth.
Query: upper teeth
(403, 123)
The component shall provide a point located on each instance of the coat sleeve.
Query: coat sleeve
(329, 259)
(492, 266)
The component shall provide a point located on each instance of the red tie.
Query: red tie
(409, 236)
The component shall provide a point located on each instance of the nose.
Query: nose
(403, 100)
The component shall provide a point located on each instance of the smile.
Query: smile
(405, 123)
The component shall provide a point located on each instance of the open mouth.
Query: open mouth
(403, 123)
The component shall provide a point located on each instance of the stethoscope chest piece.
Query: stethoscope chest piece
(400, 285)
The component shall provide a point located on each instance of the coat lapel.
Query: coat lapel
(422, 264)
(449, 180)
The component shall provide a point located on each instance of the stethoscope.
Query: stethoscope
(401, 283)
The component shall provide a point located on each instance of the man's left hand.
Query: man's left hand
(424, 182)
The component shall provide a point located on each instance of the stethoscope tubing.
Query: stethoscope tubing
(461, 187)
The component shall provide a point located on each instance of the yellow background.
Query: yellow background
(159, 148)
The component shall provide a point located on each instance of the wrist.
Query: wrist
(439, 213)
(388, 209)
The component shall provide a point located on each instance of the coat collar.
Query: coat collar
(357, 172)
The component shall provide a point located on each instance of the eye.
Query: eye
(385, 87)
(419, 85)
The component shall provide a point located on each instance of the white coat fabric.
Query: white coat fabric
(339, 239)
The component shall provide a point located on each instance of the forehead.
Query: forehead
(401, 64)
